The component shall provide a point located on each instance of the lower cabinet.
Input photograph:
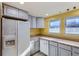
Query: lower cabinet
(44, 46)
(35, 45)
(62, 49)
(52, 50)
(63, 52)
(32, 51)
(75, 51)
(75, 54)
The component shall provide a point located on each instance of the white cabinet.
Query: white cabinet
(10, 11)
(22, 14)
(32, 48)
(64, 46)
(15, 12)
(35, 45)
(40, 22)
(33, 21)
(75, 51)
(36, 22)
(44, 46)
(56, 48)
(75, 54)
(30, 20)
(53, 48)
(64, 50)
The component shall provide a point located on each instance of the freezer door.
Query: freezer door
(9, 35)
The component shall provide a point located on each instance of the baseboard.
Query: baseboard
(37, 52)
(34, 53)
(43, 53)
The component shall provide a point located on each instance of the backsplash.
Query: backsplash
(35, 31)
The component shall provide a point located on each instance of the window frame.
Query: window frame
(66, 25)
(58, 27)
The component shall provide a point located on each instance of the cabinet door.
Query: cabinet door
(22, 15)
(44, 46)
(40, 22)
(63, 52)
(52, 50)
(33, 22)
(75, 54)
(75, 51)
(37, 45)
(32, 49)
(10, 11)
(30, 20)
(64, 46)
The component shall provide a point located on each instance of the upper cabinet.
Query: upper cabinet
(33, 20)
(10, 11)
(36, 22)
(22, 14)
(13, 12)
(40, 22)
(30, 20)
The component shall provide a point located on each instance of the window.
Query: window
(72, 25)
(54, 26)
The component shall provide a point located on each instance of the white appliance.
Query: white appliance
(16, 37)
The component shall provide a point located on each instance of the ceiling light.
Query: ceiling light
(74, 7)
(21, 2)
(67, 9)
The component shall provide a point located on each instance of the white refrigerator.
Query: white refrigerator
(15, 37)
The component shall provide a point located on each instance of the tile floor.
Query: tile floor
(39, 54)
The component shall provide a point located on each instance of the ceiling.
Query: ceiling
(43, 9)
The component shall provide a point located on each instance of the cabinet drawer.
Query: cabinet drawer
(75, 49)
(44, 41)
(64, 46)
(10, 11)
(35, 38)
(53, 43)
